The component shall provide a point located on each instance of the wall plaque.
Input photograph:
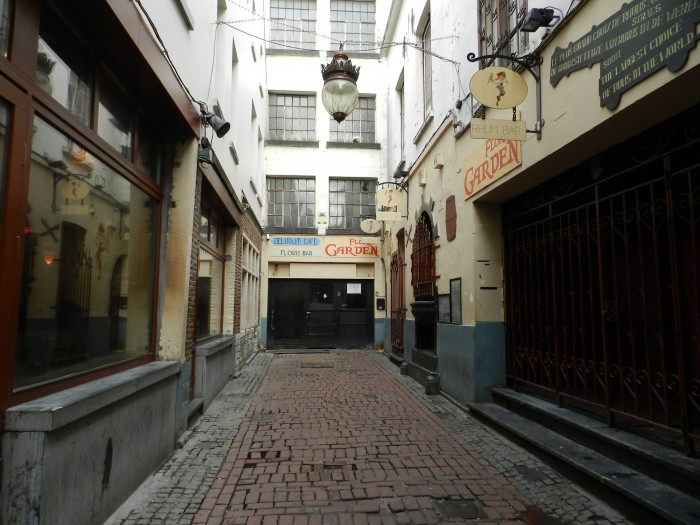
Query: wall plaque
(640, 39)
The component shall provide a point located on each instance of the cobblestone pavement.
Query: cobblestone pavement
(344, 438)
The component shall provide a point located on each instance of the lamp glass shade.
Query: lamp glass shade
(339, 97)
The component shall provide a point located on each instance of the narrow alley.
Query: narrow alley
(342, 437)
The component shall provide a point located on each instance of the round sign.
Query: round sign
(389, 196)
(370, 225)
(498, 87)
(74, 189)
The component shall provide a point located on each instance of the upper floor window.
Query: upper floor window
(352, 22)
(291, 202)
(292, 117)
(351, 201)
(498, 20)
(64, 66)
(293, 24)
(358, 126)
(65, 69)
(427, 72)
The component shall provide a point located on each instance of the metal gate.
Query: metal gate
(398, 302)
(602, 270)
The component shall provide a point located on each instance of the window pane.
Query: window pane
(147, 148)
(4, 117)
(63, 66)
(114, 117)
(210, 286)
(87, 286)
(5, 6)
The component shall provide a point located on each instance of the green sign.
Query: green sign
(639, 40)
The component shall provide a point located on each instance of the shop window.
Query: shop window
(292, 117)
(64, 65)
(358, 126)
(87, 287)
(210, 275)
(293, 24)
(353, 23)
(291, 203)
(351, 201)
(210, 280)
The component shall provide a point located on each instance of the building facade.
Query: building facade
(323, 285)
(130, 237)
(564, 262)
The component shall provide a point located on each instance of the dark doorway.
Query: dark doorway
(320, 314)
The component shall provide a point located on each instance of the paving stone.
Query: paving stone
(343, 437)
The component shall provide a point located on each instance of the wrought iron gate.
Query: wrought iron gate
(398, 302)
(602, 269)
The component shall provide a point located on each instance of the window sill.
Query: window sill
(288, 52)
(422, 129)
(354, 145)
(62, 408)
(214, 346)
(293, 143)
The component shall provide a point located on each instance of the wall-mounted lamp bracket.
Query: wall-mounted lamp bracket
(532, 63)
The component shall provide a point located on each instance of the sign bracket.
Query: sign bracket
(532, 64)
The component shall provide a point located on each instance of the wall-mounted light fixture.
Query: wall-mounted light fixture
(218, 124)
(339, 94)
(537, 18)
(245, 203)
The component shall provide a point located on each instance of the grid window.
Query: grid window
(292, 117)
(352, 22)
(351, 201)
(249, 285)
(291, 202)
(358, 126)
(293, 24)
(497, 22)
(427, 72)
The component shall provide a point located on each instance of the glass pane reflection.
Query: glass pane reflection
(87, 285)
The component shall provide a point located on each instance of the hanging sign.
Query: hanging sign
(481, 128)
(389, 196)
(641, 38)
(74, 189)
(370, 225)
(498, 87)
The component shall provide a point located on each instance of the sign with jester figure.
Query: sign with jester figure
(498, 87)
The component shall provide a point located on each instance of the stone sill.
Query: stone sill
(57, 410)
(214, 347)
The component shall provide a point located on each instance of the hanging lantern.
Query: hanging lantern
(339, 94)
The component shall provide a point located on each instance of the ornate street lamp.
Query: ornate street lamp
(339, 94)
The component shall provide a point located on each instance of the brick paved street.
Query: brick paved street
(343, 438)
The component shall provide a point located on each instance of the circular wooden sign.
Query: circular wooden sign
(370, 225)
(389, 196)
(498, 87)
(74, 189)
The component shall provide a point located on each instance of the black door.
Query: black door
(286, 313)
(320, 314)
